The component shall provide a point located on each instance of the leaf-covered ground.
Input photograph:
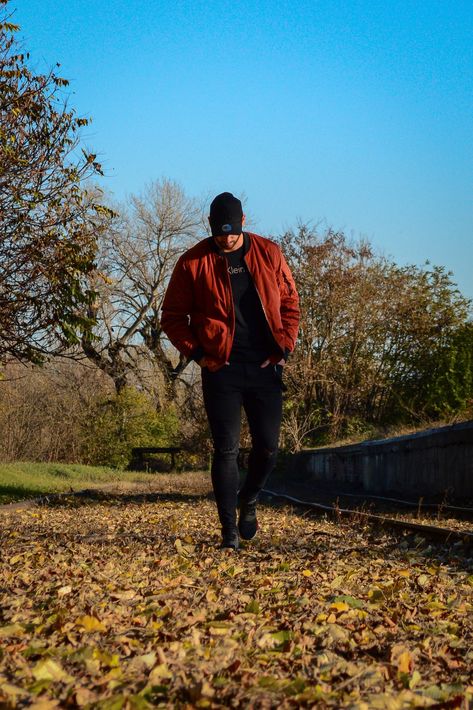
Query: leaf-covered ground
(128, 603)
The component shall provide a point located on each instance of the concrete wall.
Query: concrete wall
(428, 464)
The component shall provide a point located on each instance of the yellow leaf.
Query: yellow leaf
(338, 633)
(62, 591)
(415, 679)
(219, 632)
(90, 623)
(339, 606)
(307, 573)
(402, 658)
(149, 659)
(47, 669)
(404, 662)
(124, 596)
(16, 558)
(234, 570)
(207, 689)
(404, 573)
(92, 665)
(211, 596)
(12, 690)
(111, 660)
(143, 662)
(11, 630)
(423, 579)
(159, 673)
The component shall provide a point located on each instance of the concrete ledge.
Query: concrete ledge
(428, 463)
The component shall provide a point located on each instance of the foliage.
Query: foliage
(106, 605)
(374, 340)
(442, 383)
(49, 221)
(119, 423)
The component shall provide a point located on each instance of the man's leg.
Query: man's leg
(223, 400)
(263, 406)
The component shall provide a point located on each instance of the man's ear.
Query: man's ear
(243, 219)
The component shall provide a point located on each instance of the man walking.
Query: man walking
(232, 306)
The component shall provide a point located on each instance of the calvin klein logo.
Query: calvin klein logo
(236, 270)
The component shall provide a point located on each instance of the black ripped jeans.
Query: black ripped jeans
(259, 391)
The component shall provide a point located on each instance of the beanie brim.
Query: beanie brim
(222, 230)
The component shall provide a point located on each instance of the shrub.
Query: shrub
(119, 423)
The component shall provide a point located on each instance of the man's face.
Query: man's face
(229, 242)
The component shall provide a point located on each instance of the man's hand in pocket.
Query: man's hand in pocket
(268, 362)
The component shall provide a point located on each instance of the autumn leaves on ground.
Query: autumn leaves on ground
(126, 602)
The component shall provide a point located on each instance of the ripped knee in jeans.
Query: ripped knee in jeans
(227, 451)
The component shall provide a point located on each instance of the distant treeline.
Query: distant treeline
(379, 345)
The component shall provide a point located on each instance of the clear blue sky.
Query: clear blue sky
(357, 112)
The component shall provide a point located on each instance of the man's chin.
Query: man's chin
(227, 242)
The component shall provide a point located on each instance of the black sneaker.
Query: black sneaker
(230, 540)
(247, 522)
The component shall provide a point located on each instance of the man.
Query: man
(232, 306)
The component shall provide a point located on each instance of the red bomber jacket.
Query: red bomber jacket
(198, 314)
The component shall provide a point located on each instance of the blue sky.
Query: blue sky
(356, 114)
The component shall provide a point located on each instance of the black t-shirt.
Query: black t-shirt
(253, 341)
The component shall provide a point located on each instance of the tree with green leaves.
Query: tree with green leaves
(49, 219)
(379, 343)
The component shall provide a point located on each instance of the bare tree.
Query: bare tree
(136, 258)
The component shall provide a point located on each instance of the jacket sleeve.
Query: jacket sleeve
(176, 310)
(290, 312)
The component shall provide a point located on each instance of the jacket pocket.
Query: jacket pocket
(212, 334)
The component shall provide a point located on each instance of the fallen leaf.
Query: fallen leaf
(48, 669)
(90, 623)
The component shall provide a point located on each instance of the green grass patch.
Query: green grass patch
(22, 480)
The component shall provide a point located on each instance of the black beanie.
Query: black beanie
(226, 215)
